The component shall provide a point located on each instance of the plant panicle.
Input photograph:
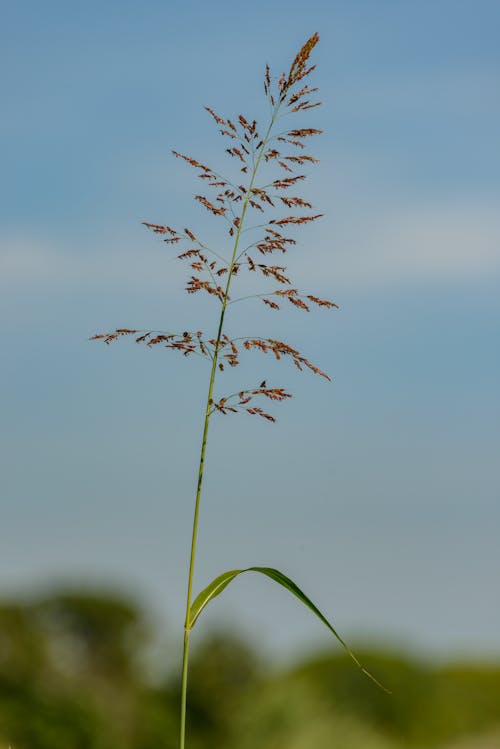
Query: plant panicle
(281, 211)
(210, 272)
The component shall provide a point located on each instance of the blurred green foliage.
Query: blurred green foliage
(74, 675)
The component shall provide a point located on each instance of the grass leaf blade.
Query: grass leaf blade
(212, 590)
(222, 581)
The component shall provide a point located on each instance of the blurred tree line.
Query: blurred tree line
(76, 672)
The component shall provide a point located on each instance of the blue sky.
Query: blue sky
(379, 493)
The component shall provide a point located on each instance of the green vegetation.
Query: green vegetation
(74, 674)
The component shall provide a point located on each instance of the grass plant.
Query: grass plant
(260, 211)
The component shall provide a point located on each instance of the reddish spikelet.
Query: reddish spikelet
(197, 284)
(209, 206)
(298, 68)
(305, 73)
(274, 394)
(235, 152)
(158, 339)
(306, 105)
(106, 337)
(256, 205)
(297, 302)
(259, 412)
(272, 153)
(296, 143)
(296, 298)
(245, 125)
(322, 302)
(302, 159)
(293, 297)
(304, 91)
(267, 80)
(271, 271)
(286, 182)
(262, 195)
(295, 220)
(280, 349)
(216, 117)
(158, 229)
(191, 161)
(305, 132)
(271, 304)
(295, 202)
(274, 242)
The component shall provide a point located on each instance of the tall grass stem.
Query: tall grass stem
(208, 413)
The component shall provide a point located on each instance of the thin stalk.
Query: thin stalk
(208, 413)
(252, 296)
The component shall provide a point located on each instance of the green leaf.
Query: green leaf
(213, 589)
(222, 581)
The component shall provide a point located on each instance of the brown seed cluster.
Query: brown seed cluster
(239, 401)
(280, 349)
(299, 69)
(187, 343)
(297, 299)
(233, 200)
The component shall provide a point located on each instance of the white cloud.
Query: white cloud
(20, 258)
(53, 262)
(440, 242)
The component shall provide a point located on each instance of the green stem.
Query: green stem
(208, 413)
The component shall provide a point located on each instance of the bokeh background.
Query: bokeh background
(378, 493)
